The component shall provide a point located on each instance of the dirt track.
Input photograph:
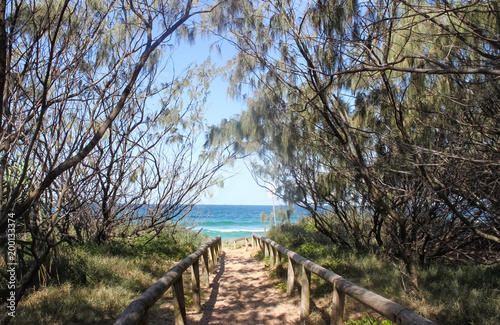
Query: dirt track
(242, 294)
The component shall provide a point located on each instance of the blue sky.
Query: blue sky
(240, 188)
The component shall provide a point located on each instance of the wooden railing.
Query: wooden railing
(246, 239)
(395, 312)
(137, 311)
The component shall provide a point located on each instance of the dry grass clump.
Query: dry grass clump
(67, 303)
(453, 293)
(93, 284)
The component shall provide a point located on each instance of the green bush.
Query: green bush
(92, 283)
(295, 235)
(314, 251)
(366, 320)
(453, 293)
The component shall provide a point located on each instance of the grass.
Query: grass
(453, 293)
(93, 284)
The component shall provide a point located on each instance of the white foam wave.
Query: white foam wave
(229, 229)
(234, 230)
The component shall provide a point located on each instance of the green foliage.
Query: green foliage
(370, 113)
(281, 286)
(264, 217)
(294, 235)
(443, 285)
(80, 264)
(94, 283)
(366, 320)
(313, 251)
(467, 294)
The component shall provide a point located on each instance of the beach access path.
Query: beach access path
(241, 293)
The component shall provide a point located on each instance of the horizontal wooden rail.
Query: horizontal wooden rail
(136, 312)
(245, 239)
(395, 312)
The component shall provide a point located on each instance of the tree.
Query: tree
(382, 113)
(80, 137)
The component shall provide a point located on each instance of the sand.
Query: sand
(242, 294)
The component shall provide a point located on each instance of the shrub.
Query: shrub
(92, 283)
(454, 293)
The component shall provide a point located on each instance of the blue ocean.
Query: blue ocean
(233, 221)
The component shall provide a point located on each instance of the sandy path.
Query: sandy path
(241, 294)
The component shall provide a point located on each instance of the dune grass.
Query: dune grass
(93, 284)
(453, 293)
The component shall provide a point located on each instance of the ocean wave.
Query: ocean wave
(230, 234)
(237, 230)
(219, 223)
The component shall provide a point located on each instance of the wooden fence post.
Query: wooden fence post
(214, 258)
(246, 244)
(291, 277)
(338, 302)
(209, 259)
(195, 285)
(272, 252)
(179, 302)
(341, 287)
(205, 272)
(305, 295)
